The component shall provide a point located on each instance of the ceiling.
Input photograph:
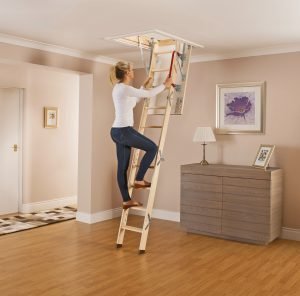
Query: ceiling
(226, 28)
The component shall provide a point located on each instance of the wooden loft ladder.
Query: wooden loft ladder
(179, 56)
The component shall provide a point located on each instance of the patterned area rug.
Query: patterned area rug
(32, 220)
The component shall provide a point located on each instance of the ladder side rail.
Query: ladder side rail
(152, 192)
(121, 232)
(179, 108)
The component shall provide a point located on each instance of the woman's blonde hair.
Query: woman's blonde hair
(118, 71)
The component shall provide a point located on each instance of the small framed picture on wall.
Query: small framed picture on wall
(50, 117)
(263, 156)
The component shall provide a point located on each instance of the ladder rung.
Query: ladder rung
(145, 188)
(152, 126)
(158, 107)
(132, 228)
(150, 167)
(139, 209)
(160, 70)
(163, 52)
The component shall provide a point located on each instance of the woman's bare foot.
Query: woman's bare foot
(131, 203)
(141, 184)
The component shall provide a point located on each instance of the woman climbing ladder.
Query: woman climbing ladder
(123, 134)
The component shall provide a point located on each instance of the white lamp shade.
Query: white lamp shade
(204, 134)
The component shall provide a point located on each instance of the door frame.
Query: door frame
(20, 151)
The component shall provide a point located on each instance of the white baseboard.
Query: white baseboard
(99, 216)
(114, 213)
(290, 233)
(48, 204)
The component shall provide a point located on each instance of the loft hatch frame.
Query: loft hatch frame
(145, 39)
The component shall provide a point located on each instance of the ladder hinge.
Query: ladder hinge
(149, 220)
(178, 87)
(160, 157)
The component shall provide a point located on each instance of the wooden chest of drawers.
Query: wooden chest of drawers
(235, 202)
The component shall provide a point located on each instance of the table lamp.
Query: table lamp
(204, 134)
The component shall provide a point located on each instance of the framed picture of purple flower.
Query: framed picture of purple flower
(240, 108)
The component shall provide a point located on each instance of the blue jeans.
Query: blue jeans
(125, 138)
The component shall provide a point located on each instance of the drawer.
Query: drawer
(243, 182)
(246, 217)
(201, 211)
(246, 235)
(256, 192)
(246, 208)
(202, 229)
(201, 179)
(246, 200)
(199, 219)
(201, 187)
(200, 224)
(247, 226)
(199, 195)
(195, 202)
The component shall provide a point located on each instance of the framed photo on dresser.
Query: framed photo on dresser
(263, 156)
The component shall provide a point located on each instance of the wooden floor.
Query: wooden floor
(73, 258)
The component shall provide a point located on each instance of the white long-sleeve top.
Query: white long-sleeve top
(125, 98)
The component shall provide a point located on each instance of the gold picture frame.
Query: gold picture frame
(240, 108)
(263, 156)
(50, 117)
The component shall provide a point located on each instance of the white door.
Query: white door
(10, 101)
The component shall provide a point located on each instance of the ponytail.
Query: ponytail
(112, 76)
(118, 71)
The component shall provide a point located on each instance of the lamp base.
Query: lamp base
(204, 162)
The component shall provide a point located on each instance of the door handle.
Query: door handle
(15, 147)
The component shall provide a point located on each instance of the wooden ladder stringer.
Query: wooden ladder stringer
(151, 197)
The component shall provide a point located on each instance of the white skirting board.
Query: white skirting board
(48, 204)
(290, 233)
(99, 216)
(114, 213)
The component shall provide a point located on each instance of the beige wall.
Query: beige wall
(49, 155)
(103, 146)
(281, 73)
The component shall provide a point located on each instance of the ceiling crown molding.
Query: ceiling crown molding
(247, 53)
(14, 40)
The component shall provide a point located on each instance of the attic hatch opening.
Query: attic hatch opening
(145, 39)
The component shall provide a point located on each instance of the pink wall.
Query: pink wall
(281, 73)
(49, 155)
(103, 146)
